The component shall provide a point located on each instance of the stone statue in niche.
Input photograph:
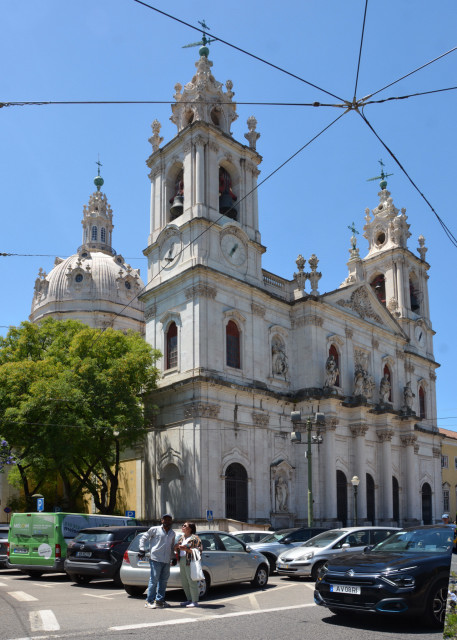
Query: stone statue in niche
(384, 389)
(359, 379)
(408, 396)
(368, 385)
(279, 358)
(282, 494)
(331, 372)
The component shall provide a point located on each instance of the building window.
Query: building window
(103, 234)
(379, 287)
(446, 499)
(232, 335)
(94, 234)
(172, 346)
(334, 352)
(455, 463)
(395, 499)
(422, 402)
(414, 296)
(444, 462)
(236, 492)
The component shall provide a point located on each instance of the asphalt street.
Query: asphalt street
(53, 607)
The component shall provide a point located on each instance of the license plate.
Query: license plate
(143, 563)
(83, 554)
(20, 550)
(283, 566)
(345, 588)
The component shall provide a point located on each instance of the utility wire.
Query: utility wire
(36, 103)
(447, 231)
(411, 72)
(410, 95)
(360, 50)
(270, 64)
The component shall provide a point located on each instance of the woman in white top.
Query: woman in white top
(186, 543)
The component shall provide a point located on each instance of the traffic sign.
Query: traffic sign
(209, 515)
(129, 514)
(7, 509)
(40, 504)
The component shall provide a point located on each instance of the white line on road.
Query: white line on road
(43, 620)
(253, 601)
(42, 585)
(204, 618)
(3, 584)
(109, 596)
(22, 596)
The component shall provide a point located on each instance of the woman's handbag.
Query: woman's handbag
(196, 571)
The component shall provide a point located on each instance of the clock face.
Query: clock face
(170, 252)
(419, 334)
(233, 249)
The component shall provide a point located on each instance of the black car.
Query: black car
(97, 552)
(4, 528)
(408, 573)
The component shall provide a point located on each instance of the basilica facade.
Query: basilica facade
(244, 348)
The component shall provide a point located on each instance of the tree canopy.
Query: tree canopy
(70, 402)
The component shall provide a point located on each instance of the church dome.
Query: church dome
(95, 285)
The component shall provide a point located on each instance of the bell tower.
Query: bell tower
(204, 206)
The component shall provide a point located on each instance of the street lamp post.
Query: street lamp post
(317, 439)
(355, 483)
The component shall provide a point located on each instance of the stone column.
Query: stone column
(358, 433)
(385, 437)
(437, 490)
(409, 476)
(330, 502)
(199, 170)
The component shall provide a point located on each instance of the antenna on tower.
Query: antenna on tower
(204, 51)
(382, 177)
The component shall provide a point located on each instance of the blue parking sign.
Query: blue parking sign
(129, 514)
(209, 515)
(40, 504)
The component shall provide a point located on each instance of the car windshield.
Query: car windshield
(276, 536)
(89, 536)
(418, 541)
(325, 538)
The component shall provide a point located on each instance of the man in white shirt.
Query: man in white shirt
(161, 555)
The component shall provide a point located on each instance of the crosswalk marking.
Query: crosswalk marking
(43, 620)
(22, 596)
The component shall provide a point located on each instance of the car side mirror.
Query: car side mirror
(368, 549)
(346, 545)
(286, 541)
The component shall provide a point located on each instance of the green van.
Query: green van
(38, 541)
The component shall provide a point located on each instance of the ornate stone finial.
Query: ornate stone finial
(315, 275)
(229, 93)
(252, 136)
(422, 249)
(354, 252)
(300, 277)
(156, 139)
(178, 88)
(98, 180)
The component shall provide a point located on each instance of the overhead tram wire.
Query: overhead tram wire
(270, 175)
(446, 229)
(233, 46)
(38, 103)
(370, 95)
(410, 95)
(360, 49)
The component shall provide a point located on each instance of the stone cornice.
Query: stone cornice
(201, 290)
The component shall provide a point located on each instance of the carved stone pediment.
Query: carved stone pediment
(360, 303)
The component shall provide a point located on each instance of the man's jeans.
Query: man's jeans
(160, 572)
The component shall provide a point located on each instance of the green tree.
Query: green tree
(70, 402)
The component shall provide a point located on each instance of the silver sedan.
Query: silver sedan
(225, 560)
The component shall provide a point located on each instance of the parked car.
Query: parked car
(306, 559)
(407, 573)
(4, 528)
(97, 553)
(283, 540)
(248, 537)
(225, 560)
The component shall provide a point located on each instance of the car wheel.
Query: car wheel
(79, 579)
(117, 578)
(261, 577)
(272, 562)
(134, 591)
(315, 569)
(435, 608)
(34, 574)
(203, 586)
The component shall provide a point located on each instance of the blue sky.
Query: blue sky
(120, 50)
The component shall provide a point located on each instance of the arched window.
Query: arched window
(86, 234)
(386, 372)
(334, 352)
(378, 285)
(236, 492)
(232, 337)
(94, 234)
(227, 198)
(426, 503)
(371, 509)
(414, 295)
(395, 500)
(422, 405)
(172, 346)
(341, 498)
(103, 234)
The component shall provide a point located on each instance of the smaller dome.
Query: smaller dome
(98, 182)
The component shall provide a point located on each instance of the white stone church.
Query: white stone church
(244, 348)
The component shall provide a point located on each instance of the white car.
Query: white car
(305, 560)
(248, 536)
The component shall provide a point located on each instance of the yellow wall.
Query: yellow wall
(449, 474)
